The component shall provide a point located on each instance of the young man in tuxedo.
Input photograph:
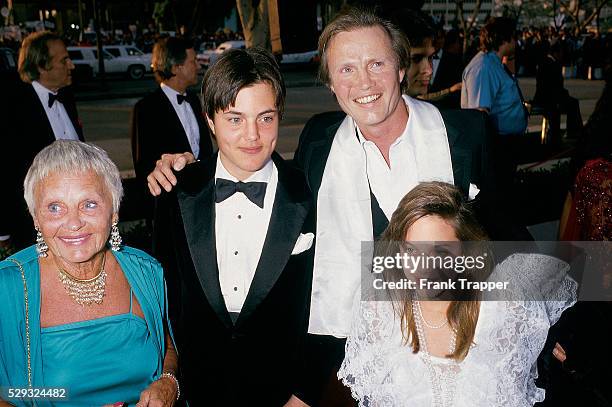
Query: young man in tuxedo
(233, 242)
(35, 111)
(168, 120)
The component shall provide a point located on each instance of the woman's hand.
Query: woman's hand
(161, 393)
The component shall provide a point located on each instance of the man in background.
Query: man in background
(36, 111)
(424, 59)
(488, 86)
(552, 96)
(168, 120)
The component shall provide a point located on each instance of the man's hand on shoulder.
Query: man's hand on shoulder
(163, 174)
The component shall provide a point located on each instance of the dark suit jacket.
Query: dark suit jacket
(255, 361)
(549, 83)
(449, 72)
(27, 130)
(156, 129)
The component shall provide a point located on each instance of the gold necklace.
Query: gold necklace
(84, 291)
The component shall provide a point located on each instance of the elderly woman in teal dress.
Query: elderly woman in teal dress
(80, 313)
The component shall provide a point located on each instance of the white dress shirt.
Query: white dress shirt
(390, 183)
(57, 115)
(187, 118)
(240, 231)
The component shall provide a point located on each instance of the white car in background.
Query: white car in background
(309, 57)
(207, 57)
(207, 48)
(118, 59)
(132, 57)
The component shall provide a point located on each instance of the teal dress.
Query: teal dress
(99, 361)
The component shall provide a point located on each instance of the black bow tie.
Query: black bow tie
(53, 97)
(254, 191)
(180, 98)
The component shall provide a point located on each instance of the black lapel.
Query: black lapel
(379, 219)
(71, 109)
(40, 113)
(290, 208)
(461, 155)
(167, 110)
(197, 204)
(318, 158)
(205, 143)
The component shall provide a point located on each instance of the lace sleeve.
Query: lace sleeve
(365, 364)
(540, 278)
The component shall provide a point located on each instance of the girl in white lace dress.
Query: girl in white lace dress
(453, 353)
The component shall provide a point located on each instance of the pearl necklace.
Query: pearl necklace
(417, 305)
(84, 291)
(443, 383)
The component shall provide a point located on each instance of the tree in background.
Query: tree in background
(581, 12)
(163, 12)
(578, 13)
(466, 25)
(260, 24)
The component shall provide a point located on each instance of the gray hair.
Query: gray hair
(68, 156)
(34, 54)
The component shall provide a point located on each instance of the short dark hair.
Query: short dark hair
(237, 69)
(34, 54)
(495, 32)
(416, 25)
(168, 52)
(353, 18)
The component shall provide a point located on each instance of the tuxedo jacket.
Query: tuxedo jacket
(27, 130)
(156, 129)
(448, 73)
(255, 361)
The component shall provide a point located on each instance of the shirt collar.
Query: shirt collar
(262, 175)
(170, 92)
(42, 92)
(401, 138)
(494, 56)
